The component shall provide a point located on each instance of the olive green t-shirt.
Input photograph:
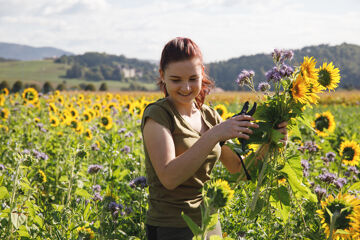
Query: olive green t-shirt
(165, 206)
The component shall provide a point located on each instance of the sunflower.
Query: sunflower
(108, 96)
(57, 93)
(42, 176)
(350, 153)
(313, 89)
(4, 113)
(73, 123)
(299, 90)
(85, 233)
(88, 134)
(4, 91)
(228, 115)
(52, 108)
(2, 100)
(60, 100)
(87, 116)
(347, 208)
(106, 122)
(96, 107)
(30, 95)
(54, 121)
(221, 109)
(329, 77)
(219, 193)
(136, 109)
(324, 124)
(308, 69)
(80, 98)
(80, 129)
(74, 113)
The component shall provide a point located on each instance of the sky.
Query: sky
(223, 29)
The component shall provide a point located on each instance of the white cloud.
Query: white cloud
(222, 28)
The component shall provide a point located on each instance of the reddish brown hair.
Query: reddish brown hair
(180, 49)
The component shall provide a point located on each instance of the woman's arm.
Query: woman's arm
(173, 170)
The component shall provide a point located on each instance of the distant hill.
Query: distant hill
(345, 56)
(27, 53)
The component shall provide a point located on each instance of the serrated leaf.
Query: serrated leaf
(83, 193)
(355, 186)
(296, 185)
(210, 222)
(195, 229)
(64, 178)
(17, 219)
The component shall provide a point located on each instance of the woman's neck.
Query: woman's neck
(185, 109)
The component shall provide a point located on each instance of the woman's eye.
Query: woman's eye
(193, 79)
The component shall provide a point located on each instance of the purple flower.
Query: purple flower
(2, 167)
(121, 130)
(309, 146)
(119, 122)
(245, 77)
(94, 147)
(129, 134)
(139, 181)
(95, 168)
(125, 149)
(26, 151)
(264, 87)
(96, 188)
(305, 164)
(320, 192)
(128, 210)
(282, 55)
(340, 182)
(353, 169)
(327, 177)
(273, 75)
(97, 197)
(286, 71)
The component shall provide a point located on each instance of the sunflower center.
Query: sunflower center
(348, 153)
(29, 96)
(322, 123)
(324, 78)
(74, 124)
(342, 222)
(2, 114)
(105, 121)
(220, 111)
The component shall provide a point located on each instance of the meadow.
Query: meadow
(72, 167)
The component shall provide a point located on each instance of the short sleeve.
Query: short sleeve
(212, 115)
(159, 114)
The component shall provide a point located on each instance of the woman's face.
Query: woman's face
(183, 80)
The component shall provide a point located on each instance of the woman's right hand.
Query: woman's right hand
(235, 127)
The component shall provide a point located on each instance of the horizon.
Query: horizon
(223, 29)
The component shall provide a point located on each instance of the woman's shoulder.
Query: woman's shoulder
(211, 114)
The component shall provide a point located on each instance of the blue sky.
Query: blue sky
(139, 28)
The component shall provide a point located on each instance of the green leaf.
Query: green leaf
(17, 219)
(64, 178)
(23, 231)
(280, 199)
(211, 221)
(87, 212)
(83, 193)
(119, 175)
(57, 207)
(355, 186)
(4, 193)
(276, 136)
(259, 206)
(296, 185)
(195, 229)
(38, 220)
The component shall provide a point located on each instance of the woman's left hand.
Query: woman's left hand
(282, 129)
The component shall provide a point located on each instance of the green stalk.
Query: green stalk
(70, 183)
(13, 194)
(259, 182)
(332, 225)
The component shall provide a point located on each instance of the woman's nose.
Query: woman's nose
(186, 86)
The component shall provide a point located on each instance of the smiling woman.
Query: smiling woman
(182, 139)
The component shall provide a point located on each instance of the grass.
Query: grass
(38, 72)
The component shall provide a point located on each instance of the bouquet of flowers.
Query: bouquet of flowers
(294, 89)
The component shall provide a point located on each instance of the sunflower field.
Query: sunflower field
(72, 167)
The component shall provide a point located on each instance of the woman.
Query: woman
(181, 141)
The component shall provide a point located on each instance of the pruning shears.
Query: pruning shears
(244, 111)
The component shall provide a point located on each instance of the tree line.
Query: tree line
(345, 56)
(93, 66)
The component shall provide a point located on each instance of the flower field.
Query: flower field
(72, 167)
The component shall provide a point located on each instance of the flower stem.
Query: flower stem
(259, 182)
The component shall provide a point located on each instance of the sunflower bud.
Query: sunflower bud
(219, 193)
